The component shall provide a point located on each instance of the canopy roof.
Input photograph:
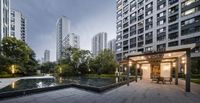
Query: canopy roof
(169, 55)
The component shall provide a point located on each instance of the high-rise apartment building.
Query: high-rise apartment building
(46, 56)
(99, 43)
(72, 40)
(112, 45)
(63, 28)
(18, 25)
(4, 19)
(154, 25)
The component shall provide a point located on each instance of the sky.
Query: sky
(88, 17)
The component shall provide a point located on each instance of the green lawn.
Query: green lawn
(196, 81)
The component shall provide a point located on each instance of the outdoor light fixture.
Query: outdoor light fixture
(13, 69)
(60, 69)
(125, 68)
(130, 63)
(169, 54)
(183, 60)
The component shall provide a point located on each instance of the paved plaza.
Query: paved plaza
(142, 92)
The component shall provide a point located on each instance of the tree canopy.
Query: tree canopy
(17, 52)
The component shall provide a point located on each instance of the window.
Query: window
(160, 6)
(172, 36)
(187, 3)
(174, 43)
(173, 9)
(173, 27)
(148, 49)
(133, 18)
(149, 38)
(172, 1)
(188, 12)
(161, 47)
(190, 21)
(173, 18)
(133, 42)
(161, 14)
(190, 40)
(161, 22)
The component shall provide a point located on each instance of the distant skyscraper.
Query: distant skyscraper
(112, 45)
(63, 28)
(46, 56)
(71, 40)
(99, 42)
(4, 19)
(18, 25)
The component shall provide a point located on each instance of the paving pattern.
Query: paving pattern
(141, 92)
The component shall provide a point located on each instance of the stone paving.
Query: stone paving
(141, 92)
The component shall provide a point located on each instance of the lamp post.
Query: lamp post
(13, 69)
(60, 69)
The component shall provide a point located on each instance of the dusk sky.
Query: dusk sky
(88, 17)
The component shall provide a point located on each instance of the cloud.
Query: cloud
(88, 17)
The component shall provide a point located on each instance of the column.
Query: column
(188, 71)
(177, 67)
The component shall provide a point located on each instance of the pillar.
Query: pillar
(188, 71)
(176, 70)
(128, 72)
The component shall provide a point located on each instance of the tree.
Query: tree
(77, 59)
(18, 53)
(104, 62)
(47, 67)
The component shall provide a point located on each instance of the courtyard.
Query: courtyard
(143, 91)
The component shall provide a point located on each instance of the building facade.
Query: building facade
(112, 45)
(99, 43)
(72, 40)
(63, 28)
(4, 19)
(18, 25)
(154, 25)
(46, 56)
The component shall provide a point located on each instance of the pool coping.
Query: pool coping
(25, 92)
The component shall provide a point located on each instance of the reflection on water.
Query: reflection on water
(116, 79)
(61, 80)
(49, 82)
(13, 85)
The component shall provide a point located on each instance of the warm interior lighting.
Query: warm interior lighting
(183, 60)
(166, 68)
(138, 65)
(130, 63)
(125, 68)
(169, 54)
(174, 64)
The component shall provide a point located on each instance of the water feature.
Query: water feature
(33, 83)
